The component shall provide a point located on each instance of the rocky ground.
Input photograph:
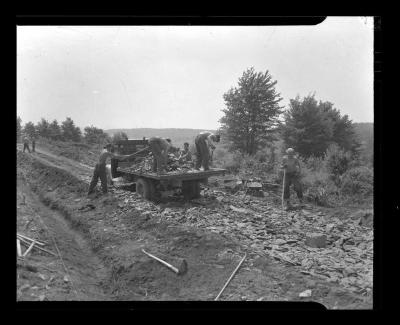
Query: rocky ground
(100, 242)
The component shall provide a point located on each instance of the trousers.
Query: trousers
(292, 178)
(26, 146)
(159, 159)
(202, 153)
(99, 172)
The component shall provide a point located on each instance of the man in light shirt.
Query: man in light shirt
(204, 142)
(100, 168)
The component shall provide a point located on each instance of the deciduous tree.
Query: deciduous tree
(252, 110)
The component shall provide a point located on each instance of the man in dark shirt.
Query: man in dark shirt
(100, 168)
(291, 167)
(186, 155)
(26, 144)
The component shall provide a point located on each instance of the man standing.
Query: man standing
(160, 148)
(33, 144)
(291, 167)
(100, 168)
(186, 155)
(204, 142)
(26, 144)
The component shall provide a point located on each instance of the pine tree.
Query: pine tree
(29, 130)
(55, 131)
(42, 128)
(252, 111)
(70, 132)
(19, 128)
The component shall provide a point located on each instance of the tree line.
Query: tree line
(253, 119)
(64, 131)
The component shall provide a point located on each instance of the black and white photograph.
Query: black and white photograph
(218, 163)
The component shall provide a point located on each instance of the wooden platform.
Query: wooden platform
(184, 176)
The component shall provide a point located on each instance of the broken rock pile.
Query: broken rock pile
(173, 165)
(338, 251)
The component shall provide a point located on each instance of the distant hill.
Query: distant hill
(178, 136)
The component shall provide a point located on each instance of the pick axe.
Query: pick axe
(181, 269)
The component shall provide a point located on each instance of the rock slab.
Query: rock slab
(316, 240)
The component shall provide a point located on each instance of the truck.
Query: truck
(151, 185)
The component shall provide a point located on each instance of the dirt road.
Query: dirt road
(102, 239)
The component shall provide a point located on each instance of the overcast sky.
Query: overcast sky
(175, 76)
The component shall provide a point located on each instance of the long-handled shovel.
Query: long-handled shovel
(230, 278)
(181, 269)
(283, 188)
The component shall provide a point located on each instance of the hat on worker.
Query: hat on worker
(290, 151)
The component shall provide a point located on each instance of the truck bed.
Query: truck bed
(177, 175)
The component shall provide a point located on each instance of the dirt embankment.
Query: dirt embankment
(112, 231)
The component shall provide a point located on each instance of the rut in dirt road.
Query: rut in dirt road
(77, 273)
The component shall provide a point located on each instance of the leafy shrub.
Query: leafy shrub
(231, 161)
(314, 163)
(318, 188)
(358, 181)
(337, 162)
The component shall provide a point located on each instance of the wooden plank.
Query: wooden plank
(27, 243)
(18, 247)
(30, 239)
(181, 176)
(29, 249)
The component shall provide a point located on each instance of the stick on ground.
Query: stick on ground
(30, 239)
(230, 278)
(18, 247)
(29, 249)
(26, 242)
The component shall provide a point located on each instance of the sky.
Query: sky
(175, 76)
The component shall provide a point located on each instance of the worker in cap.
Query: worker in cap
(100, 168)
(291, 167)
(185, 155)
(26, 144)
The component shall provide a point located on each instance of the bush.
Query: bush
(314, 163)
(337, 162)
(233, 162)
(318, 188)
(358, 181)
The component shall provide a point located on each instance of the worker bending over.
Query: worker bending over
(100, 168)
(291, 167)
(204, 142)
(160, 148)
